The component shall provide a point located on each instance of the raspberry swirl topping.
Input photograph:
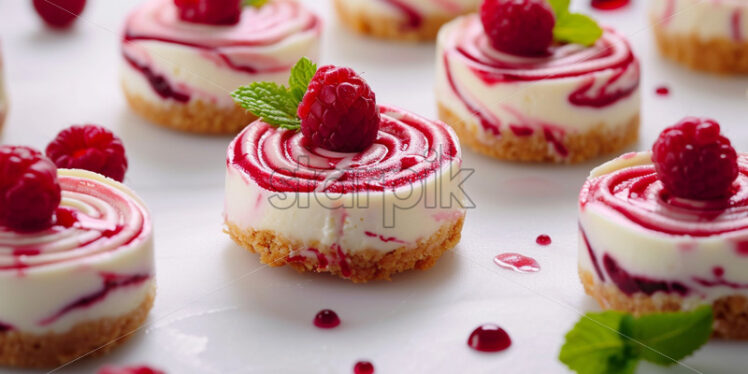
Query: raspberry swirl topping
(637, 194)
(564, 60)
(94, 218)
(271, 24)
(408, 148)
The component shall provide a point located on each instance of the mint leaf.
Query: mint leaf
(614, 342)
(670, 337)
(560, 7)
(254, 3)
(596, 345)
(271, 102)
(576, 28)
(301, 75)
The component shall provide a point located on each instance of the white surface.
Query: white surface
(219, 311)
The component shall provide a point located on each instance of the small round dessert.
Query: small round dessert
(643, 250)
(363, 215)
(570, 104)
(409, 20)
(179, 73)
(707, 35)
(81, 286)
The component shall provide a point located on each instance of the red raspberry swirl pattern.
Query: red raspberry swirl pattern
(565, 60)
(638, 195)
(271, 24)
(409, 148)
(92, 220)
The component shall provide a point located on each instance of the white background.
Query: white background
(219, 311)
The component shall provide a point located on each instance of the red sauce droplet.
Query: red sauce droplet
(489, 338)
(609, 4)
(326, 319)
(543, 240)
(363, 367)
(662, 91)
(517, 262)
(719, 271)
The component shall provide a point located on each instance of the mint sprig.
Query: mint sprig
(254, 3)
(573, 27)
(274, 103)
(615, 342)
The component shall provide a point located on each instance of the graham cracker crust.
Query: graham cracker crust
(722, 56)
(50, 350)
(600, 140)
(392, 28)
(195, 116)
(366, 265)
(730, 312)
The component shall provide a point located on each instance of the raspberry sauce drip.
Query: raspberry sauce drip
(114, 220)
(636, 193)
(543, 240)
(326, 319)
(158, 82)
(284, 161)
(110, 283)
(630, 284)
(662, 91)
(609, 4)
(363, 367)
(489, 338)
(517, 262)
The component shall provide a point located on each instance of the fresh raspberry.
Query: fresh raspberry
(519, 27)
(59, 13)
(129, 370)
(89, 147)
(339, 111)
(694, 161)
(29, 191)
(210, 12)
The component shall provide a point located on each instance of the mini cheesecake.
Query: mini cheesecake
(179, 74)
(643, 250)
(367, 215)
(709, 35)
(569, 105)
(414, 20)
(81, 286)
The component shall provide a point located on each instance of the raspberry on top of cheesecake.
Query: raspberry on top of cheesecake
(329, 181)
(668, 230)
(522, 81)
(181, 58)
(76, 255)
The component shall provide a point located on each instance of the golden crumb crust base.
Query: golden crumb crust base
(195, 116)
(50, 350)
(392, 28)
(600, 140)
(366, 265)
(722, 56)
(730, 312)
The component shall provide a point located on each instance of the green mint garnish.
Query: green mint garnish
(274, 103)
(614, 342)
(254, 3)
(573, 27)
